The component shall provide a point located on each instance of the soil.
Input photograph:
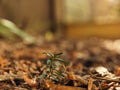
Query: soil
(93, 65)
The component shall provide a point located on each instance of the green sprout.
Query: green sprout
(55, 68)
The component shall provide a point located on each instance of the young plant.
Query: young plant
(55, 68)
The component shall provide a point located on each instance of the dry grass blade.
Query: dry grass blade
(7, 28)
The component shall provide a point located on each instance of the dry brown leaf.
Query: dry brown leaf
(3, 62)
(71, 76)
(117, 72)
(31, 82)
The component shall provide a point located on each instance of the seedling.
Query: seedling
(55, 68)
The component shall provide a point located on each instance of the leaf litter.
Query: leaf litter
(84, 65)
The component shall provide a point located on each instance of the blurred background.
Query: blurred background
(72, 19)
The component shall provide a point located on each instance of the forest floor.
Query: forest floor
(93, 64)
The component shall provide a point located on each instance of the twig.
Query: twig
(81, 80)
(107, 79)
(8, 77)
(90, 84)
